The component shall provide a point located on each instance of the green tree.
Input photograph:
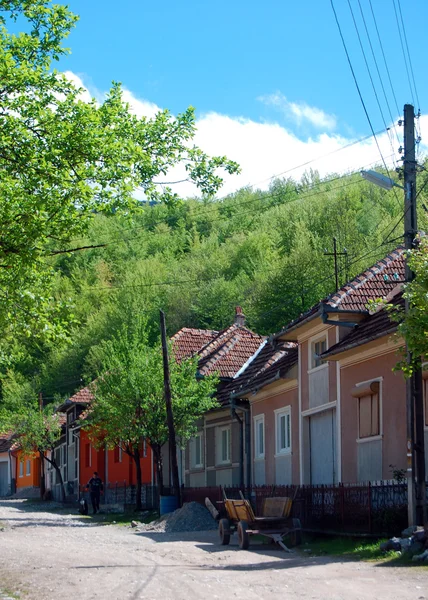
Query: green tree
(129, 405)
(37, 428)
(63, 159)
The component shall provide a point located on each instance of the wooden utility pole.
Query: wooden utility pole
(42, 461)
(417, 512)
(335, 254)
(169, 415)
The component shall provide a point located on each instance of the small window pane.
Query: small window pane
(198, 450)
(261, 439)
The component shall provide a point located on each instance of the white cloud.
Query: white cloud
(267, 149)
(300, 112)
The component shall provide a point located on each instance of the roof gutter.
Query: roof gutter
(327, 321)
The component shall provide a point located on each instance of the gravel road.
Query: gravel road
(48, 555)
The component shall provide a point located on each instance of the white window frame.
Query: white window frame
(220, 460)
(259, 420)
(193, 463)
(120, 453)
(311, 343)
(144, 448)
(283, 412)
(21, 468)
(28, 467)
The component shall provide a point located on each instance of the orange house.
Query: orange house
(80, 457)
(27, 471)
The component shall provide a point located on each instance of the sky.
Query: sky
(270, 81)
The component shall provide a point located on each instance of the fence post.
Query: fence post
(342, 505)
(370, 506)
(124, 493)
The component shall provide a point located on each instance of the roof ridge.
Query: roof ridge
(364, 276)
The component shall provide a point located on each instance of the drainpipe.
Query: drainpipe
(241, 440)
(245, 423)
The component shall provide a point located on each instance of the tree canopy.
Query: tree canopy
(63, 160)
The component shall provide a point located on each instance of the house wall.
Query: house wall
(5, 475)
(273, 468)
(371, 459)
(90, 459)
(215, 472)
(126, 470)
(31, 480)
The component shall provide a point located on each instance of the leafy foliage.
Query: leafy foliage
(63, 159)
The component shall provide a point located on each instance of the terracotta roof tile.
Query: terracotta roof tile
(187, 341)
(83, 396)
(374, 326)
(273, 359)
(375, 282)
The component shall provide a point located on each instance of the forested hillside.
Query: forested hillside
(198, 259)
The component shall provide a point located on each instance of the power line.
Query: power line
(358, 89)
(404, 54)
(384, 59)
(378, 71)
(409, 57)
(300, 196)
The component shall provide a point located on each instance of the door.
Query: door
(322, 432)
(4, 480)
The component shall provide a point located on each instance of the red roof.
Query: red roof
(224, 352)
(187, 342)
(272, 361)
(376, 282)
(83, 396)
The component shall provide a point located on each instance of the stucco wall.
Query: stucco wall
(392, 415)
(284, 469)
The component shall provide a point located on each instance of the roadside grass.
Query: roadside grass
(352, 548)
(121, 519)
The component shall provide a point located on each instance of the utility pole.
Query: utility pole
(169, 415)
(42, 461)
(335, 253)
(417, 513)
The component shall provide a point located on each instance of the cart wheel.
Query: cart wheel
(224, 531)
(243, 535)
(296, 536)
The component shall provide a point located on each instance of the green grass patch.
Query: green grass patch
(352, 548)
(122, 519)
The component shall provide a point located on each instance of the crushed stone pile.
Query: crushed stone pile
(190, 517)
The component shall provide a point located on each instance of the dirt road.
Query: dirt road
(48, 556)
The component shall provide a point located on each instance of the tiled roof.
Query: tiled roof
(223, 352)
(273, 360)
(187, 341)
(376, 282)
(373, 327)
(83, 396)
(6, 441)
(229, 351)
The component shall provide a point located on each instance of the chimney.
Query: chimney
(239, 317)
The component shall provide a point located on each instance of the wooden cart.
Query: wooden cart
(275, 522)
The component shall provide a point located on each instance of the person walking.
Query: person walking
(95, 486)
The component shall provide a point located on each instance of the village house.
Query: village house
(7, 465)
(78, 457)
(325, 404)
(217, 454)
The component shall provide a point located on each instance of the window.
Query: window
(368, 395)
(117, 455)
(196, 451)
(21, 468)
(317, 348)
(144, 449)
(223, 445)
(368, 415)
(259, 436)
(28, 469)
(283, 430)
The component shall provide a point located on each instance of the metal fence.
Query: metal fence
(366, 508)
(126, 495)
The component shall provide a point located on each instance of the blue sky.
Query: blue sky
(273, 65)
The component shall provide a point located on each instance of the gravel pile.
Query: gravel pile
(190, 517)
